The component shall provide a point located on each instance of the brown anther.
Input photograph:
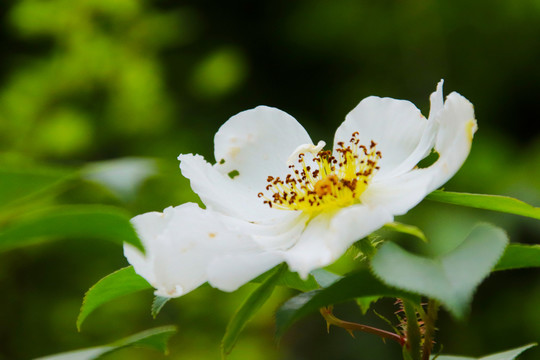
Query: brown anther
(364, 149)
(260, 194)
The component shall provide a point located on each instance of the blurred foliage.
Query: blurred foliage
(94, 80)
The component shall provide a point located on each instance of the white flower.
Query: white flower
(184, 247)
(304, 205)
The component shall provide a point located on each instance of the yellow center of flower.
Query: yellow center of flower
(336, 181)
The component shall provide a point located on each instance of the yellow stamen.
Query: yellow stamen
(337, 181)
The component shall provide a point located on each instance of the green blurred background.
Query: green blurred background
(93, 80)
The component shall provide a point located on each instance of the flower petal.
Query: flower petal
(456, 126)
(181, 244)
(397, 127)
(221, 193)
(229, 272)
(436, 100)
(274, 234)
(456, 129)
(354, 223)
(257, 143)
(311, 250)
(427, 140)
(328, 236)
(149, 226)
(398, 194)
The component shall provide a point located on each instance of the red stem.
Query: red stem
(326, 312)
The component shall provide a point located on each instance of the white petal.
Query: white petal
(398, 194)
(257, 143)
(181, 245)
(457, 126)
(354, 223)
(427, 140)
(397, 127)
(312, 250)
(229, 272)
(436, 100)
(305, 149)
(328, 236)
(274, 234)
(149, 226)
(221, 193)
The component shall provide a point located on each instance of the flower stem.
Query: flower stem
(412, 348)
(326, 312)
(429, 328)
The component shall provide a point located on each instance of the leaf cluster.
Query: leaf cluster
(27, 216)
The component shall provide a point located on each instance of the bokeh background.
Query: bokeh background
(88, 81)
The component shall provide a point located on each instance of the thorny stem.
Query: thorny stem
(429, 328)
(413, 332)
(326, 312)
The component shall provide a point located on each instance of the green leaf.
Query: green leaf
(325, 278)
(490, 202)
(289, 279)
(367, 247)
(122, 282)
(21, 185)
(364, 303)
(406, 229)
(451, 278)
(157, 305)
(74, 221)
(517, 256)
(349, 287)
(121, 176)
(505, 355)
(317, 278)
(156, 339)
(252, 304)
(294, 281)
